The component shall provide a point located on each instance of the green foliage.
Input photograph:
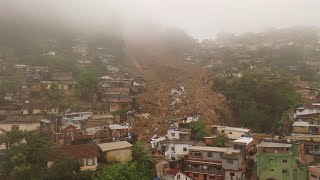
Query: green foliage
(141, 168)
(259, 101)
(88, 84)
(67, 168)
(9, 138)
(54, 93)
(9, 86)
(220, 140)
(26, 160)
(198, 129)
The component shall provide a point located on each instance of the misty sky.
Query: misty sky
(200, 18)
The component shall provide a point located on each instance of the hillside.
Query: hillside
(175, 89)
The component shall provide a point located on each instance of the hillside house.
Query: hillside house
(277, 161)
(177, 149)
(86, 154)
(118, 132)
(205, 162)
(22, 122)
(116, 152)
(118, 102)
(174, 174)
(10, 109)
(232, 132)
(233, 165)
(138, 84)
(302, 127)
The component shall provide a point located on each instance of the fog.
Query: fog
(199, 18)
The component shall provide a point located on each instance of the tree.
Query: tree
(27, 160)
(198, 129)
(141, 168)
(144, 161)
(67, 168)
(259, 101)
(54, 92)
(88, 84)
(220, 140)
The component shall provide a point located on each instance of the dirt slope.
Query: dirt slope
(166, 73)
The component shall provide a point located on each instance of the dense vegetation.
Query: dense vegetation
(27, 157)
(258, 100)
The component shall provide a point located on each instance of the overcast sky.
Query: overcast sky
(200, 18)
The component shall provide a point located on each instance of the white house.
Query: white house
(232, 132)
(23, 123)
(176, 149)
(314, 108)
(174, 174)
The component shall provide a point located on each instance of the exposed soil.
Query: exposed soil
(161, 76)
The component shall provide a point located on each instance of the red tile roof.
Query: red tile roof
(75, 151)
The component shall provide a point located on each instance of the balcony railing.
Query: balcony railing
(208, 171)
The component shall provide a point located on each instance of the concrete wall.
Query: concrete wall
(22, 127)
(86, 167)
(232, 175)
(119, 155)
(177, 150)
(172, 134)
(234, 134)
(179, 176)
(300, 130)
(271, 165)
(235, 165)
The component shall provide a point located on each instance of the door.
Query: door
(205, 177)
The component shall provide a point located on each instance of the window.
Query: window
(178, 176)
(314, 176)
(173, 134)
(284, 171)
(212, 177)
(15, 127)
(209, 154)
(195, 153)
(90, 162)
(222, 131)
(172, 148)
(230, 132)
(195, 175)
(284, 161)
(230, 161)
(184, 149)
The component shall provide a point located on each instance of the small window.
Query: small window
(284, 171)
(184, 149)
(173, 134)
(90, 162)
(172, 148)
(81, 162)
(230, 132)
(195, 175)
(284, 161)
(212, 177)
(178, 176)
(209, 154)
(230, 161)
(15, 127)
(222, 131)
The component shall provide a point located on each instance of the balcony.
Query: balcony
(210, 171)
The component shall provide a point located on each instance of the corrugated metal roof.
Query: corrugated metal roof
(114, 145)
